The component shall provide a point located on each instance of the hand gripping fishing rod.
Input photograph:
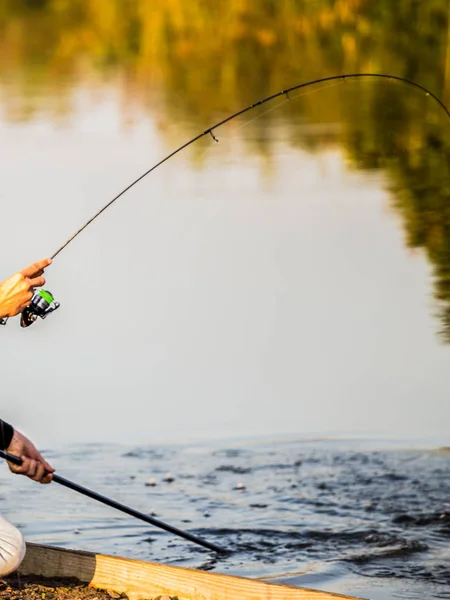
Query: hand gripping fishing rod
(43, 302)
(122, 507)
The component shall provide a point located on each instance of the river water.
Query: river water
(371, 519)
(290, 282)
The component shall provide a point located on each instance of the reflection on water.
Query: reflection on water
(193, 63)
(174, 68)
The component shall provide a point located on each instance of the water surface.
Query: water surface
(364, 518)
(291, 279)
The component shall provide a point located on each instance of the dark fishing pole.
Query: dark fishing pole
(122, 507)
(43, 303)
(211, 129)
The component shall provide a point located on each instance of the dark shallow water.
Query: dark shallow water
(368, 518)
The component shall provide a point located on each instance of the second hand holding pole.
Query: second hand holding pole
(122, 507)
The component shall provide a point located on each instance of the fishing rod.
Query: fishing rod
(43, 302)
(122, 507)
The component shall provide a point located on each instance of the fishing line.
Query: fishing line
(245, 124)
(210, 130)
(285, 100)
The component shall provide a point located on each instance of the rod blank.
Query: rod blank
(122, 507)
(284, 92)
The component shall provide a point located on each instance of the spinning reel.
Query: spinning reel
(42, 304)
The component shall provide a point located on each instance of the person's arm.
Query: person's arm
(33, 464)
(16, 292)
(6, 434)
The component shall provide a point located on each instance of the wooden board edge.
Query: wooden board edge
(139, 579)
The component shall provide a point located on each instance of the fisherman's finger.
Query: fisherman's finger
(15, 469)
(40, 472)
(36, 281)
(21, 469)
(47, 466)
(36, 267)
(47, 479)
(26, 303)
(31, 465)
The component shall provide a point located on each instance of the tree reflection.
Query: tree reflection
(205, 58)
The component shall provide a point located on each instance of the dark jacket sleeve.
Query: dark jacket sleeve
(6, 433)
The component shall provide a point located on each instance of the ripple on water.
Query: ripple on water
(383, 515)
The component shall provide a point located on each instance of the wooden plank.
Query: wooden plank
(140, 579)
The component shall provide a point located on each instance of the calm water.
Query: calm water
(290, 280)
(364, 518)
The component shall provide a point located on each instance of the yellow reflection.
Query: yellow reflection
(194, 62)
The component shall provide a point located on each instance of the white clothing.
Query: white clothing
(12, 547)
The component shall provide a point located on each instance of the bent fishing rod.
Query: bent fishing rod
(43, 302)
(122, 507)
